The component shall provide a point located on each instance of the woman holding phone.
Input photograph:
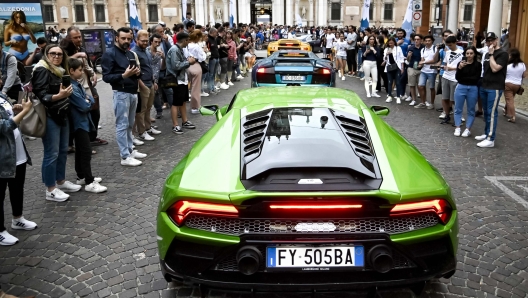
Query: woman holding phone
(371, 51)
(393, 62)
(467, 75)
(52, 86)
(341, 47)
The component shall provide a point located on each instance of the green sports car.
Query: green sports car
(305, 189)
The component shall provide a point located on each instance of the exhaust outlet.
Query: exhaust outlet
(248, 260)
(380, 258)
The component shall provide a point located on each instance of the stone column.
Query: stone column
(342, 13)
(329, 12)
(495, 17)
(289, 13)
(225, 13)
(452, 19)
(277, 15)
(311, 14)
(297, 11)
(211, 12)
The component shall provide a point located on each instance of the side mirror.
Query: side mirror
(380, 110)
(208, 110)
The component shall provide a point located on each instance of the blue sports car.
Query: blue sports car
(293, 68)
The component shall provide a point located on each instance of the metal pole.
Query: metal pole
(238, 8)
(284, 1)
(439, 5)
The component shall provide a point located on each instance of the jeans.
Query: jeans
(157, 102)
(166, 93)
(351, 60)
(55, 143)
(83, 156)
(490, 102)
(394, 76)
(463, 94)
(125, 105)
(361, 73)
(403, 81)
(16, 193)
(213, 66)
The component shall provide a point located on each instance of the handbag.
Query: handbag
(205, 67)
(168, 81)
(392, 67)
(34, 123)
(520, 91)
(93, 91)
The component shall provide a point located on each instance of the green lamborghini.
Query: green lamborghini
(305, 189)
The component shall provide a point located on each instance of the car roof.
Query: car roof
(261, 98)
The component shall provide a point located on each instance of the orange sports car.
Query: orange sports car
(288, 44)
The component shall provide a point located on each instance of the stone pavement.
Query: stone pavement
(105, 245)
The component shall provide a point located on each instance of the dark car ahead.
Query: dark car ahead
(293, 68)
(314, 42)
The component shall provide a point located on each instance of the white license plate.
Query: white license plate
(293, 78)
(314, 257)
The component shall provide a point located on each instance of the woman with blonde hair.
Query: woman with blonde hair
(195, 70)
(17, 35)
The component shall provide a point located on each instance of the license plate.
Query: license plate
(314, 257)
(293, 78)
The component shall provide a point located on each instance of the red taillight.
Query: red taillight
(326, 71)
(289, 43)
(315, 207)
(261, 70)
(440, 207)
(179, 211)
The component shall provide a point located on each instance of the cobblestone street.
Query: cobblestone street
(104, 245)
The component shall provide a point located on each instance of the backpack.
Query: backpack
(21, 69)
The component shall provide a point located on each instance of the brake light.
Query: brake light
(326, 71)
(289, 43)
(440, 207)
(179, 211)
(261, 70)
(305, 48)
(315, 207)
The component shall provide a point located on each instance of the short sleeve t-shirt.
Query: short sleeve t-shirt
(495, 80)
(351, 40)
(428, 55)
(330, 40)
(451, 59)
(341, 47)
(21, 156)
(515, 73)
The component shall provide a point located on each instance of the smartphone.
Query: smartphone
(464, 59)
(66, 81)
(368, 47)
(132, 63)
(434, 67)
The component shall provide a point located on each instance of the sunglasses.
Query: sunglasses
(54, 54)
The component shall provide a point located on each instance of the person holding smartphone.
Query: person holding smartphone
(427, 74)
(36, 55)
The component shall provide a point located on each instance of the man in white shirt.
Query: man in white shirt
(330, 37)
(351, 50)
(451, 59)
(428, 73)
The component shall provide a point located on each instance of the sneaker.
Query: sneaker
(389, 99)
(446, 120)
(83, 181)
(204, 94)
(429, 106)
(159, 115)
(362, 79)
(195, 111)
(188, 124)
(154, 131)
(57, 195)
(67, 186)
(463, 119)
(131, 162)
(7, 239)
(404, 97)
(368, 95)
(440, 109)
(398, 101)
(177, 130)
(342, 78)
(339, 73)
(137, 142)
(466, 133)
(250, 70)
(412, 103)
(408, 98)
(145, 136)
(442, 116)
(480, 138)
(420, 106)
(478, 114)
(375, 94)
(137, 155)
(486, 144)
(23, 224)
(30, 138)
(95, 187)
(451, 112)
(240, 77)
(457, 132)
(224, 86)
(230, 84)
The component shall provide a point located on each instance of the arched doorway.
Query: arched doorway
(261, 12)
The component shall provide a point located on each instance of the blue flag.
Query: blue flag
(365, 13)
(231, 13)
(134, 17)
(407, 21)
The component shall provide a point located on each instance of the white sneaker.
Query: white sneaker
(95, 187)
(230, 84)
(7, 239)
(362, 79)
(342, 78)
(250, 70)
(137, 155)
(404, 97)
(83, 181)
(131, 162)
(442, 116)
(412, 103)
(137, 142)
(339, 73)
(457, 132)
(240, 77)
(224, 86)
(389, 99)
(57, 195)
(407, 98)
(398, 101)
(463, 119)
(195, 111)
(154, 131)
(145, 136)
(67, 186)
(375, 94)
(204, 94)
(23, 224)
(368, 95)
(466, 133)
(486, 144)
(480, 138)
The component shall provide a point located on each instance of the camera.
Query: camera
(441, 46)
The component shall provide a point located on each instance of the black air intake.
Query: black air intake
(254, 130)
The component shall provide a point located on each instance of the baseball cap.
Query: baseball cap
(491, 36)
(162, 23)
